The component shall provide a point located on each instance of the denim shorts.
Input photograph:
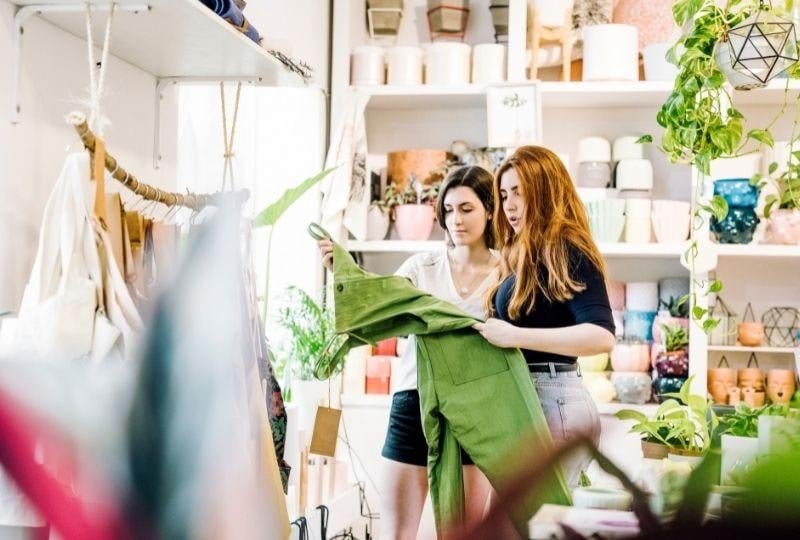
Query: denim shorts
(405, 441)
(570, 411)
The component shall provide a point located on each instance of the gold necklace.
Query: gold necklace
(465, 289)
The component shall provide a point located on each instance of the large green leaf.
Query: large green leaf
(272, 213)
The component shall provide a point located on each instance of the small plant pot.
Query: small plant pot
(720, 382)
(673, 364)
(738, 226)
(671, 221)
(414, 221)
(691, 457)
(448, 16)
(780, 385)
(651, 450)
(386, 17)
(664, 317)
(667, 385)
(378, 222)
(751, 334)
(602, 498)
(783, 226)
(499, 9)
(631, 357)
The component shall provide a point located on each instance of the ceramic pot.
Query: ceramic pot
(671, 221)
(634, 174)
(552, 13)
(488, 63)
(606, 219)
(667, 385)
(651, 450)
(664, 317)
(753, 398)
(656, 65)
(386, 347)
(632, 388)
(637, 230)
(639, 325)
(385, 23)
(653, 19)
(780, 385)
(414, 221)
(737, 227)
(737, 192)
(687, 456)
(750, 378)
(783, 226)
(378, 223)
(627, 148)
(592, 364)
(400, 164)
(673, 364)
(444, 17)
(631, 357)
(404, 66)
(616, 295)
(751, 334)
(610, 53)
(744, 166)
(602, 498)
(367, 66)
(720, 382)
(499, 9)
(594, 149)
(447, 63)
(599, 387)
(594, 174)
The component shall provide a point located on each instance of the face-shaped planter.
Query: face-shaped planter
(632, 387)
(720, 382)
(780, 385)
(751, 378)
(751, 334)
(734, 396)
(753, 397)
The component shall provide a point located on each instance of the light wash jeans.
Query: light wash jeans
(570, 411)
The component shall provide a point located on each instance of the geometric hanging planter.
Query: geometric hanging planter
(757, 50)
(384, 17)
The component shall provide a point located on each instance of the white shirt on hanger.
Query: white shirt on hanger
(430, 272)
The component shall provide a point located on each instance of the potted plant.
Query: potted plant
(673, 311)
(783, 223)
(690, 434)
(655, 430)
(379, 218)
(310, 333)
(739, 440)
(673, 361)
(413, 208)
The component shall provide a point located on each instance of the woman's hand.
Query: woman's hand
(326, 252)
(499, 333)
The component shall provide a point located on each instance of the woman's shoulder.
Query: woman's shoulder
(419, 262)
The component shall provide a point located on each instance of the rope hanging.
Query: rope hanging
(227, 168)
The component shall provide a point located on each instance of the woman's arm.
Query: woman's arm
(578, 340)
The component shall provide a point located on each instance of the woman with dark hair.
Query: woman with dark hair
(551, 300)
(462, 273)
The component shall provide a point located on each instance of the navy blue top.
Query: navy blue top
(588, 306)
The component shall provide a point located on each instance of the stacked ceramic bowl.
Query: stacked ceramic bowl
(740, 223)
(594, 163)
(606, 219)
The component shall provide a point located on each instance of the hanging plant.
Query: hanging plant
(700, 120)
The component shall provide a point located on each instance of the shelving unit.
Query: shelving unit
(758, 251)
(759, 350)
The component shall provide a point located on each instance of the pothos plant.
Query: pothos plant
(700, 120)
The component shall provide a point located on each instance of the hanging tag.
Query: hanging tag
(326, 431)
(99, 176)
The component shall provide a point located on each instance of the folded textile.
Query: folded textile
(232, 12)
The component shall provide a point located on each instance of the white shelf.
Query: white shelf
(615, 250)
(175, 38)
(738, 349)
(582, 95)
(758, 251)
(614, 407)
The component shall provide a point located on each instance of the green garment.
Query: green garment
(473, 395)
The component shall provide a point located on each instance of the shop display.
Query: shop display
(610, 53)
(596, 194)
(606, 219)
(635, 194)
(667, 385)
(447, 64)
(638, 223)
(671, 313)
(671, 221)
(632, 388)
(384, 17)
(488, 63)
(726, 331)
(367, 66)
(599, 387)
(404, 66)
(781, 326)
(738, 226)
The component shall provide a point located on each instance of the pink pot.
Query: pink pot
(653, 19)
(631, 357)
(784, 226)
(616, 295)
(669, 320)
(414, 221)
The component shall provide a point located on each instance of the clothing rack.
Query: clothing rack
(189, 200)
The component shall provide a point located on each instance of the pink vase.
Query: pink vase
(653, 19)
(669, 320)
(784, 226)
(414, 221)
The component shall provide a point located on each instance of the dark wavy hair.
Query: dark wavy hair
(478, 180)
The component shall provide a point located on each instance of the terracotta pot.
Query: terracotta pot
(378, 223)
(631, 357)
(414, 221)
(386, 347)
(720, 382)
(651, 450)
(751, 334)
(784, 226)
(750, 378)
(753, 398)
(780, 385)
(734, 396)
(401, 163)
(673, 364)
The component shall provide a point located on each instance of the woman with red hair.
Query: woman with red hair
(551, 300)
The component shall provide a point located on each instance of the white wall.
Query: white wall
(54, 76)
